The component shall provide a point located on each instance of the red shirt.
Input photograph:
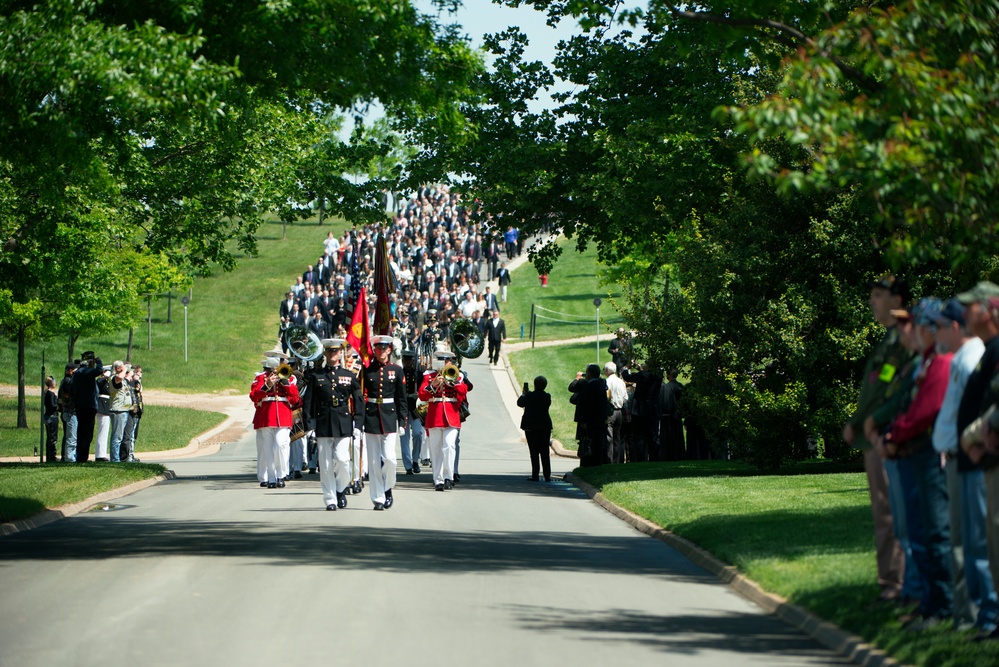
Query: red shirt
(931, 386)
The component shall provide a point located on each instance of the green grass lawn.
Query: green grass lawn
(29, 488)
(231, 320)
(572, 286)
(161, 428)
(806, 537)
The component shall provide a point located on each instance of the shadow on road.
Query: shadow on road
(684, 634)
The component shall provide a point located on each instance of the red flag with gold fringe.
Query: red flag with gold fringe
(359, 335)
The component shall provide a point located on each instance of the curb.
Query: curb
(848, 645)
(50, 515)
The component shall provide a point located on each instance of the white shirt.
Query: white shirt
(961, 366)
(618, 392)
(468, 307)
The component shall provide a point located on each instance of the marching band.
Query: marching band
(337, 403)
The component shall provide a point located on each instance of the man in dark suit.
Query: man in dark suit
(503, 278)
(592, 404)
(492, 304)
(537, 426)
(309, 276)
(495, 335)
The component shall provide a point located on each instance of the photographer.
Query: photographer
(85, 399)
(134, 377)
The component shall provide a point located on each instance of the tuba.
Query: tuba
(303, 343)
(466, 339)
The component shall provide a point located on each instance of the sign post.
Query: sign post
(597, 302)
(185, 300)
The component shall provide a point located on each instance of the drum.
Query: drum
(298, 424)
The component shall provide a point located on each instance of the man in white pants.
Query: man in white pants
(443, 419)
(385, 409)
(327, 410)
(273, 399)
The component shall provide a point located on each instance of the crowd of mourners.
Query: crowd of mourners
(441, 257)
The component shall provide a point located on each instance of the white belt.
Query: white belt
(443, 400)
(380, 400)
(271, 399)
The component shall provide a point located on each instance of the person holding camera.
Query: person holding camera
(120, 404)
(85, 399)
(537, 426)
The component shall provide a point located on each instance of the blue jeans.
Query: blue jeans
(934, 511)
(981, 587)
(412, 435)
(905, 521)
(69, 437)
(118, 421)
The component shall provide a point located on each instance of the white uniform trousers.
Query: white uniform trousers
(276, 445)
(359, 465)
(380, 452)
(334, 466)
(442, 441)
(282, 452)
(263, 451)
(103, 436)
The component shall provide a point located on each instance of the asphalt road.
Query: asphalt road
(210, 569)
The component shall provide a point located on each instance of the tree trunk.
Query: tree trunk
(22, 409)
(284, 230)
(128, 354)
(322, 210)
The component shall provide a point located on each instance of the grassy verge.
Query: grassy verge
(161, 428)
(232, 318)
(807, 537)
(29, 488)
(572, 286)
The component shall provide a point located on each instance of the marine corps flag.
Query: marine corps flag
(359, 335)
(383, 287)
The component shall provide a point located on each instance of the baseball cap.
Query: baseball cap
(983, 291)
(894, 284)
(951, 311)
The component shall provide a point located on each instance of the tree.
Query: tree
(758, 294)
(161, 128)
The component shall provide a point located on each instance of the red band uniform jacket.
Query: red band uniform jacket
(274, 405)
(442, 403)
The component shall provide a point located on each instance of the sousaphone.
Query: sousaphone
(466, 339)
(303, 343)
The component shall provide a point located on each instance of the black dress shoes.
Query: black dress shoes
(388, 498)
(410, 472)
(365, 478)
(416, 469)
(341, 500)
(263, 485)
(439, 487)
(331, 508)
(357, 488)
(280, 484)
(312, 471)
(448, 484)
(271, 485)
(298, 474)
(379, 507)
(457, 478)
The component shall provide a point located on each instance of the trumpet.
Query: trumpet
(283, 372)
